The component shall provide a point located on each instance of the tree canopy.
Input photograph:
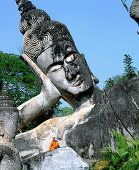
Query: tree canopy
(21, 83)
(129, 72)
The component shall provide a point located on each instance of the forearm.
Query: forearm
(34, 107)
(49, 95)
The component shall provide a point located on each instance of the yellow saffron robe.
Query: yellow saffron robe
(54, 145)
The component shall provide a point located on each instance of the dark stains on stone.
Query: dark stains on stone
(97, 130)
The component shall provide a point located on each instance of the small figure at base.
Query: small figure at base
(54, 144)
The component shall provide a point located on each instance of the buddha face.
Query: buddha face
(69, 73)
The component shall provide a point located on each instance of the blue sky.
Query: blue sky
(102, 30)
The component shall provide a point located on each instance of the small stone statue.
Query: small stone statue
(9, 155)
(134, 11)
(51, 53)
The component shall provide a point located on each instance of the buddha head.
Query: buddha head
(50, 45)
(67, 70)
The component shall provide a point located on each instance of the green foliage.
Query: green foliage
(114, 80)
(21, 83)
(129, 72)
(125, 156)
(65, 111)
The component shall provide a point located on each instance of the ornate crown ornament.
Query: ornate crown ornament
(24, 6)
(5, 100)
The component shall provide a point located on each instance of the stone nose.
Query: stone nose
(71, 70)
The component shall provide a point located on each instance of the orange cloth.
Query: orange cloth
(54, 145)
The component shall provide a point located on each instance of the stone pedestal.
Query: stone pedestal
(59, 159)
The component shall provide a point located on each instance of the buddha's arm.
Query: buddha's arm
(34, 107)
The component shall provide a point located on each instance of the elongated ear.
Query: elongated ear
(95, 79)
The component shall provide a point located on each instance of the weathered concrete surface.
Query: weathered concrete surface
(134, 10)
(60, 159)
(89, 128)
(94, 134)
(38, 140)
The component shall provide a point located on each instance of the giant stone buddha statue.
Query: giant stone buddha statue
(51, 53)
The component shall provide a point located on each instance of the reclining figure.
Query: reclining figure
(52, 55)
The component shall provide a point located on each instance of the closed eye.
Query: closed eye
(54, 67)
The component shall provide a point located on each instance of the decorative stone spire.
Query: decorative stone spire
(5, 99)
(24, 6)
(8, 116)
(8, 125)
